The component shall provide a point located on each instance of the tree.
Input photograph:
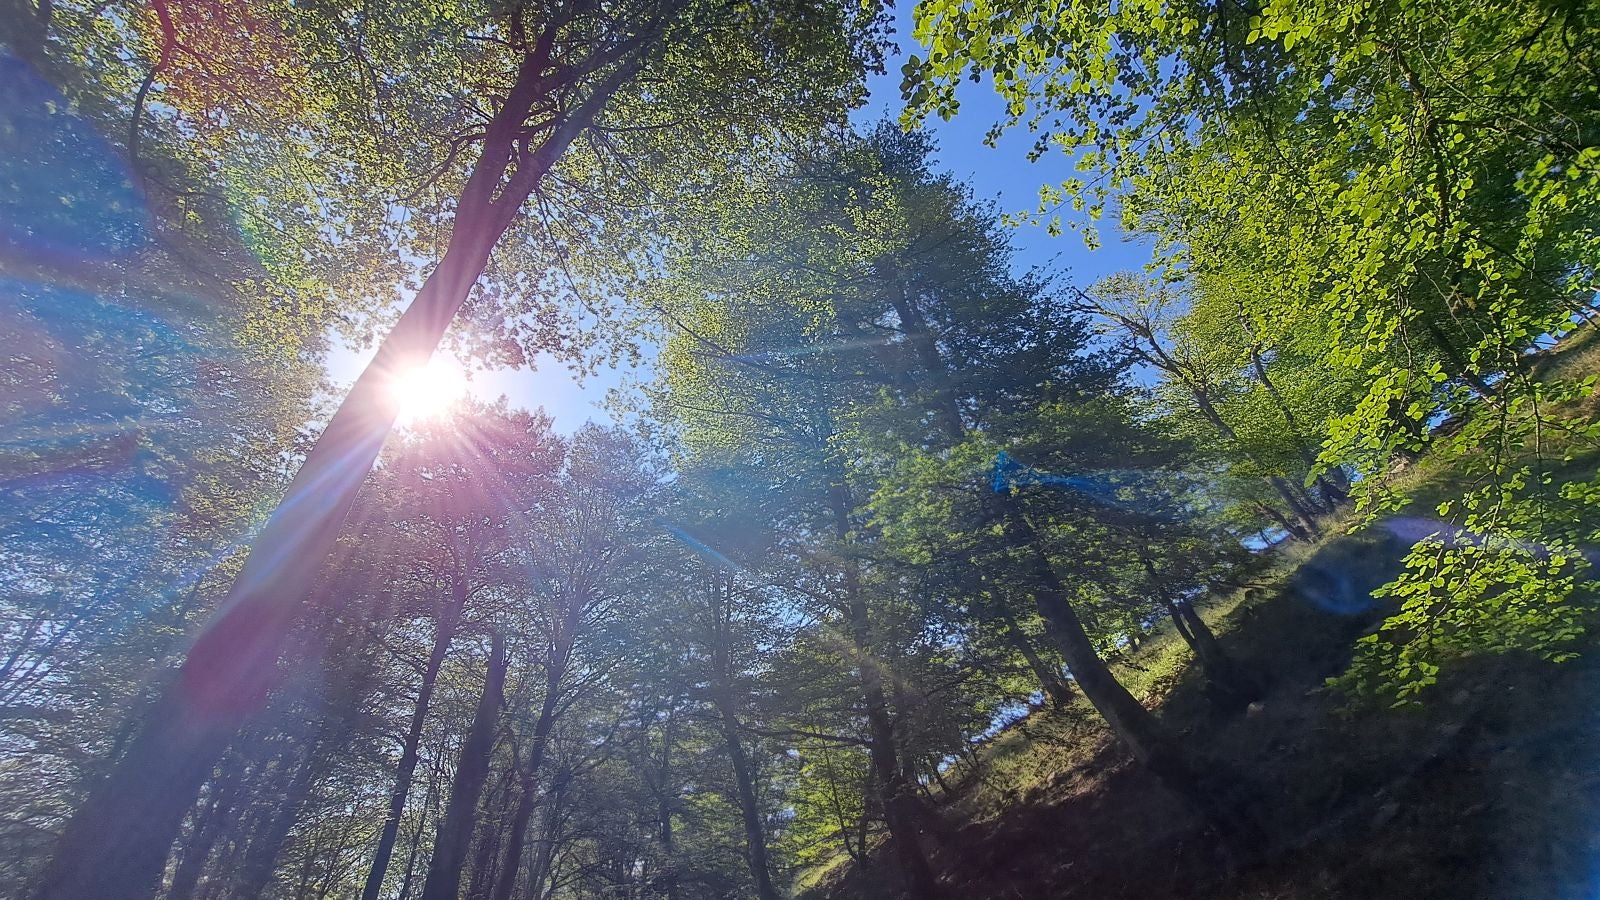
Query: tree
(721, 620)
(1391, 174)
(554, 73)
(453, 491)
(146, 417)
(731, 394)
(934, 358)
(455, 829)
(1204, 380)
(577, 547)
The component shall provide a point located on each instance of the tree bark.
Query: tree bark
(1054, 687)
(428, 802)
(1332, 495)
(1129, 720)
(1127, 717)
(1229, 686)
(455, 829)
(405, 770)
(664, 797)
(720, 594)
(544, 860)
(1296, 500)
(261, 856)
(529, 797)
(1293, 529)
(749, 807)
(491, 834)
(901, 808)
(208, 826)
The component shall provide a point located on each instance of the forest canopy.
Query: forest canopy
(904, 567)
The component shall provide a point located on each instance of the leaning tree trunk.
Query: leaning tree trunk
(550, 832)
(669, 849)
(131, 817)
(428, 801)
(455, 829)
(491, 834)
(1052, 685)
(720, 592)
(1228, 685)
(1332, 493)
(1293, 497)
(1129, 720)
(1293, 529)
(261, 855)
(208, 827)
(901, 807)
(1055, 688)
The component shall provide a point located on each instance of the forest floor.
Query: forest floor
(1490, 788)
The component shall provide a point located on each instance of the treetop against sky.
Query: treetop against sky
(1001, 173)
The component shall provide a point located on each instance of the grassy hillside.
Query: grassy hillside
(1491, 788)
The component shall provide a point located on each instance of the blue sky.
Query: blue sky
(1002, 174)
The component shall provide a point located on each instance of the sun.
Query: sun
(430, 391)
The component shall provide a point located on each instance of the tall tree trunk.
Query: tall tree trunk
(1229, 685)
(1293, 529)
(1128, 719)
(1126, 716)
(720, 594)
(1332, 494)
(405, 770)
(901, 808)
(1201, 392)
(129, 819)
(516, 836)
(664, 797)
(1458, 360)
(428, 801)
(208, 826)
(1295, 498)
(529, 797)
(1181, 624)
(491, 837)
(544, 859)
(749, 807)
(1052, 685)
(261, 856)
(455, 829)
